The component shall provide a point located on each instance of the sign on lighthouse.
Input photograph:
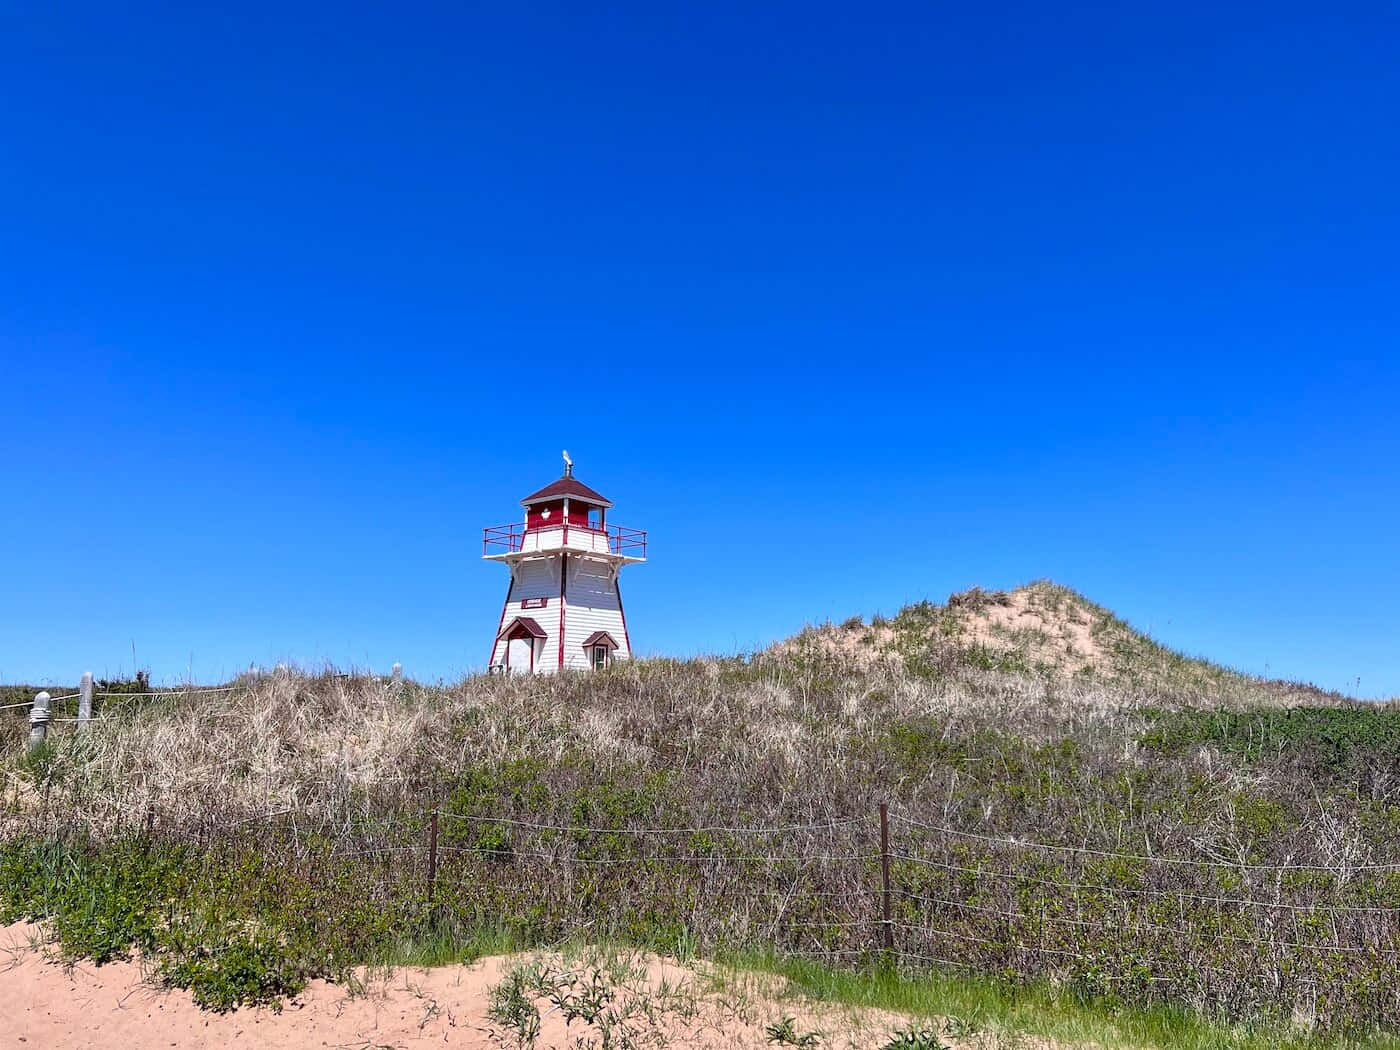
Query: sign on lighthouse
(563, 608)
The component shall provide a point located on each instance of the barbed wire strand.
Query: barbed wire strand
(171, 692)
(584, 829)
(30, 703)
(695, 858)
(904, 956)
(1027, 917)
(1139, 858)
(994, 944)
(1149, 927)
(1222, 934)
(1141, 891)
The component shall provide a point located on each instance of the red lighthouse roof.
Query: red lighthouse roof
(567, 486)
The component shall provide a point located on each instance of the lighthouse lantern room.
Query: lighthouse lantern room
(563, 608)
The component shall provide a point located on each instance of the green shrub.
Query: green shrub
(511, 1004)
(241, 971)
(784, 1033)
(915, 1039)
(1334, 743)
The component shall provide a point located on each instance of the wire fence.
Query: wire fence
(919, 894)
(110, 701)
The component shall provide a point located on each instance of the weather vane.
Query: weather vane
(568, 464)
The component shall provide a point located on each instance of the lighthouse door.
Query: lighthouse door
(520, 655)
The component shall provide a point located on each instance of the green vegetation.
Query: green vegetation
(512, 1006)
(1329, 743)
(784, 1032)
(915, 1039)
(232, 923)
(958, 1005)
(603, 995)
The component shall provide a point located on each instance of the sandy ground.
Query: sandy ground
(46, 1004)
(1019, 621)
(1069, 638)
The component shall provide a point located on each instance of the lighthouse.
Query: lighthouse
(563, 608)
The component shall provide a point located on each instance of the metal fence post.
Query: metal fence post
(38, 720)
(85, 700)
(432, 856)
(886, 907)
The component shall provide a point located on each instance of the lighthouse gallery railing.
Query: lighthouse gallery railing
(510, 539)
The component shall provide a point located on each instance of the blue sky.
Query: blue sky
(847, 305)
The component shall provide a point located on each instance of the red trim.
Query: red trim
(499, 626)
(567, 486)
(617, 588)
(524, 625)
(563, 602)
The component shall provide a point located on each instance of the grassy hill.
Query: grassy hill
(1044, 629)
(1070, 803)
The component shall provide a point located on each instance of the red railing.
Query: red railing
(509, 539)
(502, 539)
(631, 542)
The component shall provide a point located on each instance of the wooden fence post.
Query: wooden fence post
(38, 720)
(432, 856)
(85, 700)
(885, 878)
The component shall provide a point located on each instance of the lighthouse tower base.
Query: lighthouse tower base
(561, 612)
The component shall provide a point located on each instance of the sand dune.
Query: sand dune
(47, 1004)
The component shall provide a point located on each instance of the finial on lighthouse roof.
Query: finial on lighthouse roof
(568, 465)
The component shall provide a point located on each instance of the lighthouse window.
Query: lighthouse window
(600, 657)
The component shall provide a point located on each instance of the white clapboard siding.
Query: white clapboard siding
(589, 540)
(535, 580)
(593, 606)
(551, 538)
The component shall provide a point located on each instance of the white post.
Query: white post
(85, 700)
(38, 720)
(396, 674)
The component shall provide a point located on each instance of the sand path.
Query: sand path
(46, 1004)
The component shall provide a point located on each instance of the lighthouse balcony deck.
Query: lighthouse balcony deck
(610, 541)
